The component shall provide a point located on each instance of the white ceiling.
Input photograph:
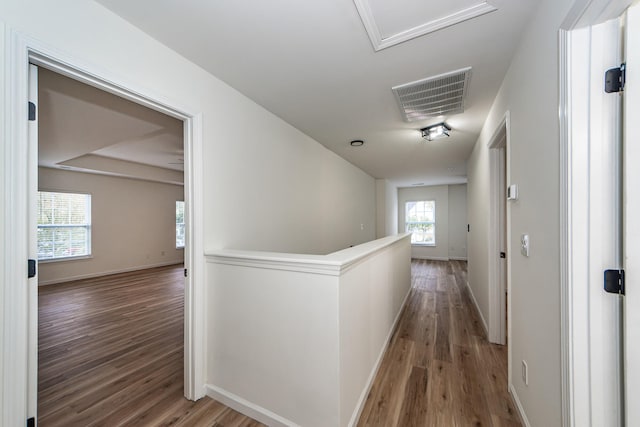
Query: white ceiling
(313, 64)
(86, 129)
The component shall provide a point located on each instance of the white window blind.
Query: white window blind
(64, 225)
(179, 224)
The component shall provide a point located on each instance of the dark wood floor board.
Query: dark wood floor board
(111, 353)
(455, 377)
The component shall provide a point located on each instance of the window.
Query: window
(64, 225)
(420, 220)
(179, 224)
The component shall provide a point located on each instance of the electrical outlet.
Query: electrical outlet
(361, 226)
(525, 373)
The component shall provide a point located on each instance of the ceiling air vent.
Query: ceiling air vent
(434, 96)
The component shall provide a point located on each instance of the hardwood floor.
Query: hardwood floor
(111, 350)
(439, 369)
(111, 353)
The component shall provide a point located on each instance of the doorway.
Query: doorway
(499, 235)
(21, 154)
(110, 175)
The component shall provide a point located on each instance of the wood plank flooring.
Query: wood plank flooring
(439, 369)
(111, 353)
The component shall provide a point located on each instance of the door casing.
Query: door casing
(20, 167)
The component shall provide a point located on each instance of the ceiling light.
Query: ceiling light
(357, 143)
(441, 130)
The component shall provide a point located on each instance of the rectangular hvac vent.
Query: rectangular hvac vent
(434, 96)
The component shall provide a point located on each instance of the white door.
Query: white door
(32, 356)
(632, 217)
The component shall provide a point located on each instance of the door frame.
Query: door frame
(498, 177)
(574, 254)
(631, 222)
(17, 168)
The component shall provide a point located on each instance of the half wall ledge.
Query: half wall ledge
(295, 339)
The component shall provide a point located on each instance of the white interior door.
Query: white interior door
(32, 349)
(632, 217)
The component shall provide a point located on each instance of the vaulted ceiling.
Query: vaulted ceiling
(314, 64)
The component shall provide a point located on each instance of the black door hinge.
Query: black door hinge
(503, 255)
(31, 268)
(31, 422)
(614, 281)
(32, 111)
(614, 79)
(185, 272)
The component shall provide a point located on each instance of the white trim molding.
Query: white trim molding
(475, 303)
(379, 42)
(497, 325)
(247, 408)
(516, 399)
(578, 307)
(566, 335)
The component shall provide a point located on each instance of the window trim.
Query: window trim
(406, 223)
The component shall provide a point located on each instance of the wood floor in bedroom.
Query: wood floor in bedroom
(111, 353)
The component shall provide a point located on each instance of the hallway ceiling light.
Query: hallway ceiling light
(357, 143)
(440, 130)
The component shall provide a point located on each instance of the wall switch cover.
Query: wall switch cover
(524, 245)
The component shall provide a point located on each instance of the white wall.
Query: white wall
(309, 200)
(530, 92)
(297, 338)
(450, 226)
(458, 221)
(132, 224)
(277, 189)
(386, 208)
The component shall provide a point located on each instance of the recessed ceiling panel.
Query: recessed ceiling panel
(389, 22)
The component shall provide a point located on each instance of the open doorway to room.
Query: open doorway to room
(110, 244)
(499, 236)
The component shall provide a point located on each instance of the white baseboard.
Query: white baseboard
(475, 302)
(106, 273)
(247, 408)
(516, 399)
(355, 417)
(440, 258)
(432, 258)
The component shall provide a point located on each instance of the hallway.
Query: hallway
(439, 369)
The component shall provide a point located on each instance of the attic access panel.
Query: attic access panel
(389, 22)
(440, 95)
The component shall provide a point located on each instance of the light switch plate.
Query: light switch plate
(512, 192)
(524, 245)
